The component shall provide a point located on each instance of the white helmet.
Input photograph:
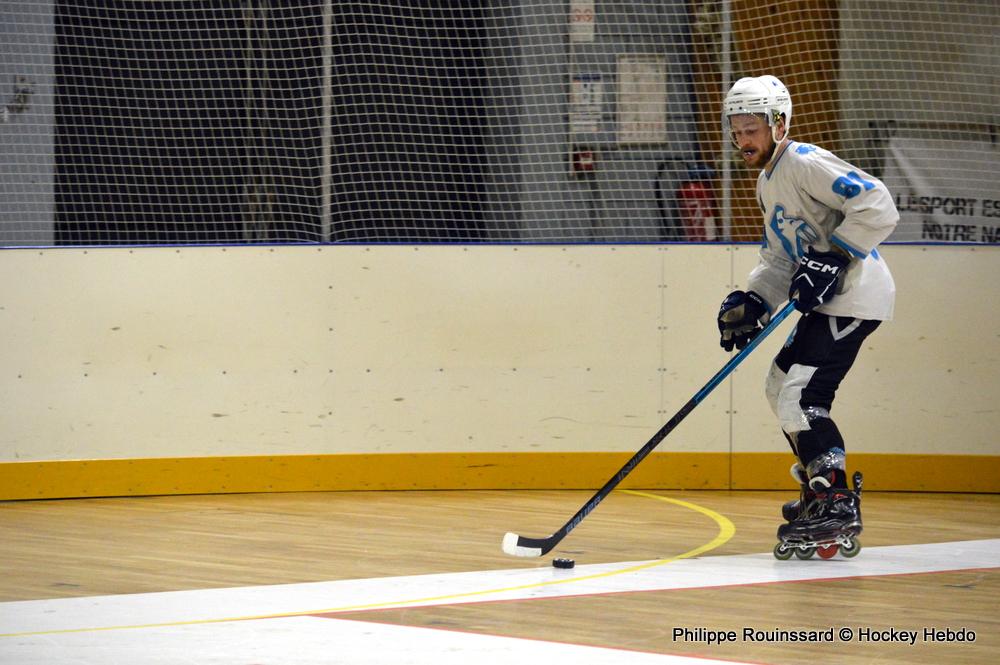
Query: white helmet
(763, 95)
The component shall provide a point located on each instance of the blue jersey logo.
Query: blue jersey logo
(794, 234)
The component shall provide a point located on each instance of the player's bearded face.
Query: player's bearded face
(752, 135)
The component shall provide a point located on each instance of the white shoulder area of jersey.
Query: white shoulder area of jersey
(805, 152)
(810, 161)
(790, 161)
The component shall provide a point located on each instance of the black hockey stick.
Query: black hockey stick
(516, 545)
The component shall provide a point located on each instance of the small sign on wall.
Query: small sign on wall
(581, 21)
(642, 99)
(586, 93)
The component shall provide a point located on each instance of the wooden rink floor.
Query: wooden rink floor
(419, 577)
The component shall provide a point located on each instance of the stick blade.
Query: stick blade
(514, 545)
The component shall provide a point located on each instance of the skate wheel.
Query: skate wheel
(782, 552)
(805, 552)
(827, 551)
(850, 550)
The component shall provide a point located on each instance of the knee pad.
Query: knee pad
(787, 399)
(772, 386)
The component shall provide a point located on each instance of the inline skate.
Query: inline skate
(792, 509)
(831, 522)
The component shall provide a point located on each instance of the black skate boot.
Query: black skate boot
(792, 509)
(830, 523)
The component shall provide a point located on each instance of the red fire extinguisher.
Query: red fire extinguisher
(696, 208)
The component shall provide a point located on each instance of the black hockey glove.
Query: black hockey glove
(815, 281)
(741, 317)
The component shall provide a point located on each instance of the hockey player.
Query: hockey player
(823, 220)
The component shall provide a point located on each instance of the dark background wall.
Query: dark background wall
(193, 122)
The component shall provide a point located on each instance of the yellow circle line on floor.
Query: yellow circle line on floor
(726, 532)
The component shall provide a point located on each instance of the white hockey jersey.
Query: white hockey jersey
(811, 197)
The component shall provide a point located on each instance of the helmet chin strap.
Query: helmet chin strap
(773, 120)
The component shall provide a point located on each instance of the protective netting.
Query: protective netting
(179, 122)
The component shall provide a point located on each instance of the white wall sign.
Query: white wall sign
(581, 20)
(945, 191)
(642, 99)
(586, 94)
